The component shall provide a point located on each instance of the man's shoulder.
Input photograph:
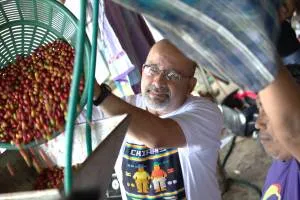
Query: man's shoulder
(278, 165)
(196, 110)
(199, 100)
(283, 175)
(195, 103)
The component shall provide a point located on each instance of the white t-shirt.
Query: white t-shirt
(201, 122)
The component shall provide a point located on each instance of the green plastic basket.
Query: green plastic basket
(28, 24)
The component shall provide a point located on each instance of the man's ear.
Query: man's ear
(192, 84)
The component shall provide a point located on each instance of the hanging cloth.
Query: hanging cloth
(111, 58)
(134, 36)
(118, 62)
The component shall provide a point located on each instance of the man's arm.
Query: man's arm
(281, 102)
(153, 131)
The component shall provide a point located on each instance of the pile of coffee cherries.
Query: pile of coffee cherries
(52, 177)
(34, 93)
(49, 178)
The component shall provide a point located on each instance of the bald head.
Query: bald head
(165, 53)
(161, 94)
(165, 45)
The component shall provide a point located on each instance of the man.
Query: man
(283, 180)
(173, 135)
(278, 118)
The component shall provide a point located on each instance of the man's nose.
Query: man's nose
(260, 123)
(159, 79)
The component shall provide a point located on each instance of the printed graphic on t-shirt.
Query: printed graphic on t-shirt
(273, 192)
(152, 173)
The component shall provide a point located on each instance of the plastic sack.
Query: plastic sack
(56, 149)
(231, 38)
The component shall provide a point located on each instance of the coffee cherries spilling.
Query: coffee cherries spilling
(34, 93)
(52, 177)
(49, 178)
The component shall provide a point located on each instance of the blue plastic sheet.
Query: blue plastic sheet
(233, 39)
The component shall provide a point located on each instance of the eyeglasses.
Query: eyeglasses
(169, 75)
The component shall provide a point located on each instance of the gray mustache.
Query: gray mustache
(159, 90)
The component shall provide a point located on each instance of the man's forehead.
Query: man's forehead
(162, 59)
(168, 56)
(167, 51)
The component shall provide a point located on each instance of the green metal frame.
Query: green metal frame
(74, 90)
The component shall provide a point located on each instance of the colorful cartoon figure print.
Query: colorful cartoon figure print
(158, 177)
(274, 190)
(141, 178)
